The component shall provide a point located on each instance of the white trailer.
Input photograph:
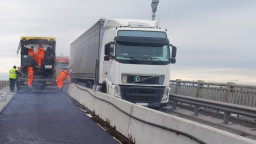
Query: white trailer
(129, 59)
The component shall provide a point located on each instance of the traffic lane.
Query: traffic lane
(48, 118)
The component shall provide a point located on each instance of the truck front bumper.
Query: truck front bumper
(150, 96)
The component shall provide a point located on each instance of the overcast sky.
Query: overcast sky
(216, 39)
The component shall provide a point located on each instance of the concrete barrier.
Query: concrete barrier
(147, 126)
(5, 98)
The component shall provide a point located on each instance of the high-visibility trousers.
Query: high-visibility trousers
(59, 82)
(30, 80)
(40, 61)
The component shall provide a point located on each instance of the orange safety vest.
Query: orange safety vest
(63, 75)
(40, 53)
(31, 51)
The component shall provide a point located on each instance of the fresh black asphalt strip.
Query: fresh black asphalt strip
(48, 118)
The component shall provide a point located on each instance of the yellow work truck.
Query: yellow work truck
(44, 75)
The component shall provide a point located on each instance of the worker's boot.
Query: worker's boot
(59, 90)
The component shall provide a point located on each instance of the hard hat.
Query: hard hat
(66, 71)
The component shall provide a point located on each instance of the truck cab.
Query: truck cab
(136, 64)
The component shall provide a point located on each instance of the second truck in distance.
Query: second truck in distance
(129, 59)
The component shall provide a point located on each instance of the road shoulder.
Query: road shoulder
(5, 98)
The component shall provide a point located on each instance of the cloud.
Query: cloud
(8, 63)
(223, 37)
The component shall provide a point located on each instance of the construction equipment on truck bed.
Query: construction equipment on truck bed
(44, 73)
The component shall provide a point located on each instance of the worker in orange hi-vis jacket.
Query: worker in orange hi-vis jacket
(30, 76)
(61, 77)
(31, 51)
(40, 55)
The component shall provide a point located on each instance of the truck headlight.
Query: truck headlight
(124, 78)
(161, 79)
(48, 83)
(117, 91)
(166, 91)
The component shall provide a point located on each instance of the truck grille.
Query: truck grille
(142, 94)
(146, 79)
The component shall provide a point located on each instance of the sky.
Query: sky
(216, 39)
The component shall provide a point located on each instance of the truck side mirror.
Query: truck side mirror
(174, 52)
(109, 48)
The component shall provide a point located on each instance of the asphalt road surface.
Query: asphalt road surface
(41, 118)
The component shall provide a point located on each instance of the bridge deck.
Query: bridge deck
(48, 118)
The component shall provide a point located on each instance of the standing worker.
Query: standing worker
(61, 77)
(40, 55)
(12, 77)
(31, 51)
(30, 76)
(19, 74)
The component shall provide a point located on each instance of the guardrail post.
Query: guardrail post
(226, 117)
(230, 88)
(196, 111)
(174, 104)
(199, 88)
(178, 81)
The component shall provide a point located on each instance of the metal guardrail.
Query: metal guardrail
(229, 93)
(4, 84)
(221, 106)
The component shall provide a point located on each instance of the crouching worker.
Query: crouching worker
(30, 76)
(61, 77)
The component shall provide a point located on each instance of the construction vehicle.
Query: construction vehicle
(44, 75)
(129, 59)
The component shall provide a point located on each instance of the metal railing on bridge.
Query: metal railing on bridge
(229, 93)
(3, 84)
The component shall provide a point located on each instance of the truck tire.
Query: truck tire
(104, 88)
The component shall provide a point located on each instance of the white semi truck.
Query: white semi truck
(125, 58)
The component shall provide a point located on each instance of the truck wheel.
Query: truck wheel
(104, 88)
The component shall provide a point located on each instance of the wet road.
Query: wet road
(48, 119)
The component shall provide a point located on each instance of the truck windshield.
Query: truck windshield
(142, 53)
